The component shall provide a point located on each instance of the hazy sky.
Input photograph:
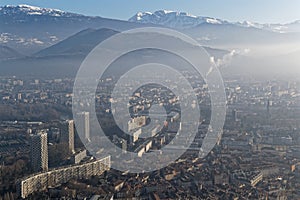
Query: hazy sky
(264, 11)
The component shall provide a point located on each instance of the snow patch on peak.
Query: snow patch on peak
(29, 7)
(213, 21)
(249, 24)
(35, 8)
(164, 11)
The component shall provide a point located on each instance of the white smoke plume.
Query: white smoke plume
(226, 60)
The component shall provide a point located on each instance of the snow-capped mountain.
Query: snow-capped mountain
(23, 9)
(173, 19)
(29, 29)
(183, 20)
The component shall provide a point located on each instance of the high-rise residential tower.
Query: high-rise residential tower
(67, 134)
(39, 152)
(83, 126)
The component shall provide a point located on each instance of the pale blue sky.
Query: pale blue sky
(264, 11)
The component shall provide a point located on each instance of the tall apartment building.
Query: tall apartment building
(83, 126)
(39, 152)
(69, 137)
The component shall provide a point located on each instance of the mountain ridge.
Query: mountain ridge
(182, 20)
(173, 19)
(42, 36)
(34, 10)
(29, 29)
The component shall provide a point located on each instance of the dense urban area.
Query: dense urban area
(42, 155)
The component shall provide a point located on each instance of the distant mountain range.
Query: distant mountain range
(172, 19)
(32, 38)
(183, 20)
(29, 29)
